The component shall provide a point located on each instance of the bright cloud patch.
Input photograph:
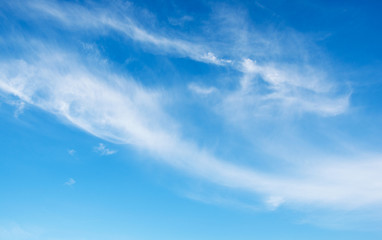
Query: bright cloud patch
(88, 93)
(103, 150)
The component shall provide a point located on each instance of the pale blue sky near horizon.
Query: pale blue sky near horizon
(143, 120)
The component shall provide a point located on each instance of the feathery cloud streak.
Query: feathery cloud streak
(294, 87)
(118, 109)
(113, 18)
(286, 89)
(103, 150)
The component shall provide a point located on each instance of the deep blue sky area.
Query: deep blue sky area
(146, 120)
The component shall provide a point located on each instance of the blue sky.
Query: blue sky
(190, 120)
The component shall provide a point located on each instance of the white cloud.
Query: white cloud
(114, 17)
(70, 182)
(201, 89)
(285, 88)
(211, 58)
(274, 202)
(17, 104)
(71, 152)
(180, 21)
(103, 150)
(121, 111)
(118, 109)
(20, 108)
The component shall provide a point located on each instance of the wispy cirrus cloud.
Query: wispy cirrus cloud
(269, 80)
(283, 89)
(86, 104)
(201, 89)
(70, 182)
(103, 150)
(117, 108)
(113, 17)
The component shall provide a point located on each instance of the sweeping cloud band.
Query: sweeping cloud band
(118, 108)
